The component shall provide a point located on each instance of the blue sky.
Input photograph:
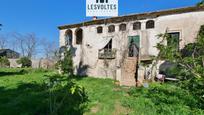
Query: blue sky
(43, 16)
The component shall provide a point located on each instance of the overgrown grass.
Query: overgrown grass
(165, 99)
(23, 93)
(104, 96)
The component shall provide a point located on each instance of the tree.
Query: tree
(20, 41)
(25, 62)
(49, 49)
(4, 62)
(27, 44)
(31, 41)
(3, 42)
(201, 3)
(189, 64)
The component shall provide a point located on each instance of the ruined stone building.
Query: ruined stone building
(102, 47)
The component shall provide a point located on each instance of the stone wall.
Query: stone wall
(14, 64)
(41, 63)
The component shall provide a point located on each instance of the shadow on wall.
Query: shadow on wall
(73, 51)
(82, 69)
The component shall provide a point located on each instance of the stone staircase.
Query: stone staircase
(128, 72)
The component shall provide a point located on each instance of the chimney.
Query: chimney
(94, 18)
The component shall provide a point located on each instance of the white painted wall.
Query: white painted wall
(187, 24)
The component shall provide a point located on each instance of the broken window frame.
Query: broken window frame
(108, 46)
(107, 52)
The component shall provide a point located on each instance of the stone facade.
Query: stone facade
(185, 21)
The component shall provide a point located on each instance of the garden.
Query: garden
(36, 92)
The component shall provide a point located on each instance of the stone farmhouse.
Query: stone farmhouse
(102, 47)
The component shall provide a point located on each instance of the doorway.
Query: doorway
(133, 46)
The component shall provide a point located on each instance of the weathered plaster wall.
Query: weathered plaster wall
(187, 24)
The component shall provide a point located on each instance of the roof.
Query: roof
(9, 53)
(131, 17)
(7, 50)
(2, 50)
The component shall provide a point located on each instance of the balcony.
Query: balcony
(107, 54)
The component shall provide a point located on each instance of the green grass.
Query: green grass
(104, 96)
(22, 93)
(165, 99)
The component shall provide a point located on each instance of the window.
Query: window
(111, 28)
(122, 27)
(99, 29)
(107, 52)
(79, 36)
(137, 26)
(173, 40)
(68, 37)
(150, 24)
(133, 46)
(108, 46)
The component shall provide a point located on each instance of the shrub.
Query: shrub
(65, 96)
(165, 99)
(4, 62)
(190, 61)
(25, 62)
(66, 64)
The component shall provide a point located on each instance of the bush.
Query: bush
(190, 61)
(65, 96)
(25, 62)
(66, 64)
(4, 62)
